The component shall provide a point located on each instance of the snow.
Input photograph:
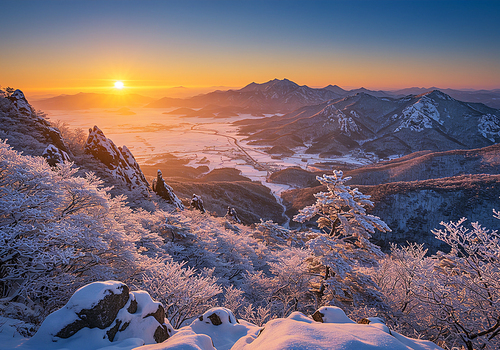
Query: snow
(420, 115)
(184, 339)
(297, 331)
(489, 127)
(333, 314)
(223, 335)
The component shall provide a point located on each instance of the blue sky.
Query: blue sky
(376, 44)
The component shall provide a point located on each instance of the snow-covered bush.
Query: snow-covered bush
(451, 298)
(183, 293)
(59, 231)
(286, 288)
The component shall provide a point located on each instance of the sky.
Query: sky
(53, 47)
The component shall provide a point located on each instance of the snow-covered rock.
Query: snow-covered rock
(166, 192)
(119, 160)
(331, 314)
(101, 313)
(30, 132)
(300, 332)
(222, 327)
(197, 203)
(20, 103)
(55, 156)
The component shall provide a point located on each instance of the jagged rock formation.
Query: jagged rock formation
(166, 192)
(30, 132)
(119, 161)
(380, 125)
(20, 103)
(109, 312)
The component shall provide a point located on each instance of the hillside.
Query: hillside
(412, 209)
(385, 127)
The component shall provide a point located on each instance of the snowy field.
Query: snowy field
(149, 134)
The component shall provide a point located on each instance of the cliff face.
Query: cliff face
(413, 209)
(119, 161)
(29, 131)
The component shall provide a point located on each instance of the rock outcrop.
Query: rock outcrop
(30, 132)
(109, 312)
(166, 192)
(119, 161)
(20, 103)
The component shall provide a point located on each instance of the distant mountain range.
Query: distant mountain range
(91, 100)
(274, 96)
(380, 125)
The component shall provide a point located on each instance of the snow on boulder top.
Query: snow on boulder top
(100, 315)
(89, 295)
(331, 314)
(19, 103)
(119, 160)
(222, 326)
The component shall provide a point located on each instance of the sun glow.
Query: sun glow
(119, 85)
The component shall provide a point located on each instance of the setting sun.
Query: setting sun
(119, 85)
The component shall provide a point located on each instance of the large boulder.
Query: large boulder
(105, 312)
(221, 325)
(119, 160)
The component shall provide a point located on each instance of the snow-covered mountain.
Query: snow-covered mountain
(381, 125)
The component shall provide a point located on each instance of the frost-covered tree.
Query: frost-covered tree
(59, 231)
(183, 292)
(286, 287)
(345, 245)
(451, 298)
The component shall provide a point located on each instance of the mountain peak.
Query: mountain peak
(436, 94)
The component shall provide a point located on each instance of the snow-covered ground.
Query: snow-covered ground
(216, 329)
(150, 133)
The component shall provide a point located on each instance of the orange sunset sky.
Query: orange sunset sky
(54, 47)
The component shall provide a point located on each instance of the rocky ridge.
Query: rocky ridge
(28, 130)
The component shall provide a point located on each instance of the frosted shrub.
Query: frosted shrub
(59, 231)
(453, 298)
(184, 293)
